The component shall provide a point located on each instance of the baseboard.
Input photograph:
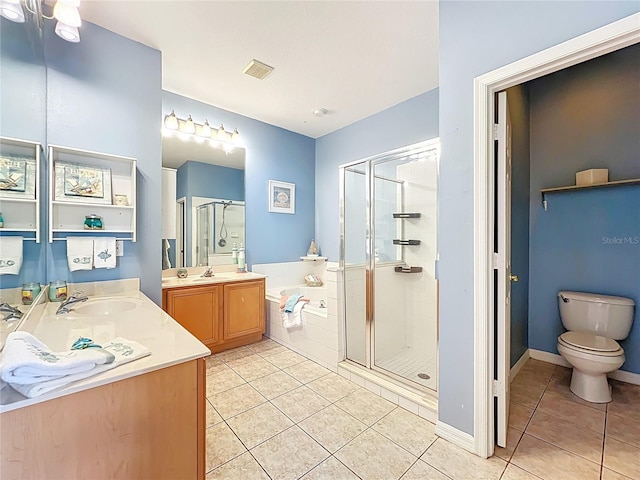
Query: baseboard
(519, 364)
(620, 375)
(455, 436)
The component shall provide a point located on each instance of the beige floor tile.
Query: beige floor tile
(267, 347)
(526, 394)
(285, 359)
(275, 384)
(550, 462)
(289, 455)
(223, 380)
(457, 463)
(560, 383)
(300, 403)
(255, 369)
(372, 456)
(333, 387)
(519, 416)
(622, 457)
(332, 428)
(626, 400)
(623, 429)
(516, 473)
(423, 471)
(531, 378)
(365, 406)
(566, 435)
(611, 475)
(579, 415)
(306, 371)
(259, 424)
(408, 430)
(250, 358)
(214, 364)
(212, 416)
(513, 438)
(236, 400)
(222, 445)
(539, 367)
(234, 354)
(243, 467)
(330, 469)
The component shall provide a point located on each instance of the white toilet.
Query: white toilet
(594, 322)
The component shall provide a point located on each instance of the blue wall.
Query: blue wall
(23, 100)
(104, 94)
(409, 122)
(272, 154)
(475, 38)
(197, 179)
(585, 117)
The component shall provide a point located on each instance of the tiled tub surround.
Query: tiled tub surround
(272, 414)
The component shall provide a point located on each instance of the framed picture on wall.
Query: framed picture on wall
(82, 184)
(282, 197)
(17, 177)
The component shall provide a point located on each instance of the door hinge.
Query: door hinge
(496, 260)
(494, 388)
(495, 131)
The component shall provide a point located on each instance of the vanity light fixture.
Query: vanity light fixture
(190, 130)
(64, 11)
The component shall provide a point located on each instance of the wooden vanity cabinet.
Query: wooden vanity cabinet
(222, 315)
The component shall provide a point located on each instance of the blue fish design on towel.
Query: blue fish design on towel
(104, 255)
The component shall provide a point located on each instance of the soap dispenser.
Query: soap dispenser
(234, 253)
(241, 259)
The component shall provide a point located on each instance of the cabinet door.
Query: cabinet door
(243, 309)
(197, 310)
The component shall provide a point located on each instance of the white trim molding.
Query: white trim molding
(593, 44)
(455, 436)
(620, 375)
(519, 364)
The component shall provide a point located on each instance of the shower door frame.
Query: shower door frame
(369, 163)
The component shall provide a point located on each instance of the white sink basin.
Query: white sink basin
(104, 306)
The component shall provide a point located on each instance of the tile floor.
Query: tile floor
(273, 414)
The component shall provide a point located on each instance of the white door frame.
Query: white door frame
(609, 38)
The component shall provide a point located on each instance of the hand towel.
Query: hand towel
(80, 253)
(104, 252)
(291, 302)
(32, 369)
(10, 255)
(293, 319)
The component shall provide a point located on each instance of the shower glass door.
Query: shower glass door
(389, 252)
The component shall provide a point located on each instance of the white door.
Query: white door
(503, 250)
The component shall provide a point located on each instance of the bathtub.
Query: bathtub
(318, 337)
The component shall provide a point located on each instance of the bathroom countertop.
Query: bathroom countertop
(144, 322)
(222, 277)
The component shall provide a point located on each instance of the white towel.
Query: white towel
(10, 255)
(293, 319)
(32, 369)
(104, 252)
(80, 253)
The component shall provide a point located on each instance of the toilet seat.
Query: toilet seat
(590, 344)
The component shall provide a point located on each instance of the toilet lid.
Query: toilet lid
(593, 343)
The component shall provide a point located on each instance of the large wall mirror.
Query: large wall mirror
(209, 210)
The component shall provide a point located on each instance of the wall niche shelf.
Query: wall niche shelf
(616, 183)
(67, 212)
(21, 207)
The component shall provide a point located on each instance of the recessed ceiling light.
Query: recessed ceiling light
(320, 112)
(257, 69)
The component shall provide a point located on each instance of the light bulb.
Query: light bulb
(189, 126)
(235, 136)
(222, 134)
(67, 14)
(67, 32)
(12, 10)
(205, 130)
(171, 121)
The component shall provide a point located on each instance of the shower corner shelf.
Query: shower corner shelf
(406, 242)
(407, 215)
(408, 269)
(313, 258)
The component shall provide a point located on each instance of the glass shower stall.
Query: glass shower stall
(388, 258)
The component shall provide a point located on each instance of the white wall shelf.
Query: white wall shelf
(21, 210)
(311, 258)
(616, 183)
(67, 214)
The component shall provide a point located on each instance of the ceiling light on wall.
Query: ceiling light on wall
(320, 112)
(257, 69)
(65, 11)
(190, 130)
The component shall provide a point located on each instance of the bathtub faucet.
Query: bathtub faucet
(322, 305)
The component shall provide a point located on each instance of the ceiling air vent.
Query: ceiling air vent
(257, 69)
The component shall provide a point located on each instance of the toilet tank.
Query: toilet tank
(603, 315)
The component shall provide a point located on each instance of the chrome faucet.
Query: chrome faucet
(207, 273)
(14, 313)
(65, 306)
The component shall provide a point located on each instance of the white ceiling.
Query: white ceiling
(352, 58)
